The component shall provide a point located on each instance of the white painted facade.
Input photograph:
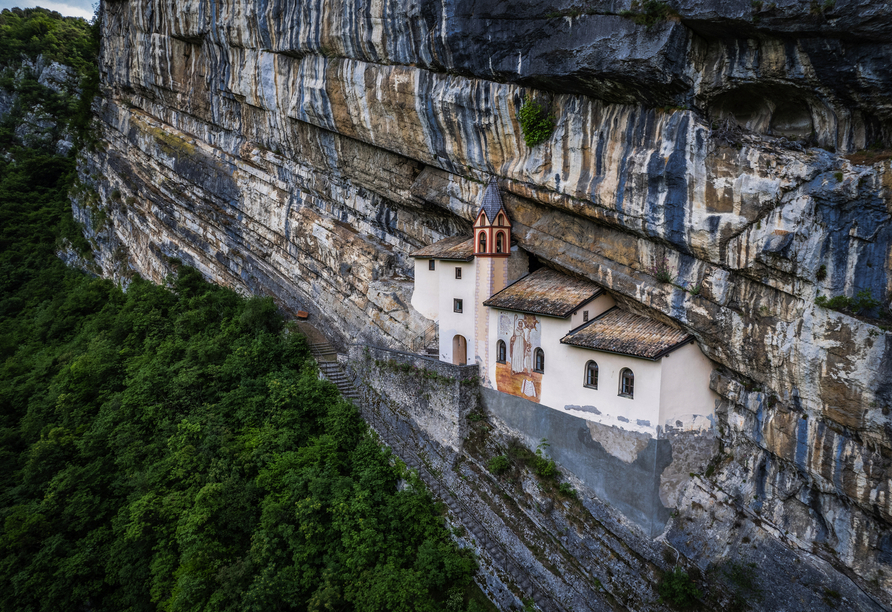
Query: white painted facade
(605, 404)
(426, 296)
(597, 306)
(456, 323)
(671, 392)
(686, 401)
(563, 380)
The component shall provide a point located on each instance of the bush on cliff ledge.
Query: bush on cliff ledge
(648, 12)
(535, 121)
(677, 590)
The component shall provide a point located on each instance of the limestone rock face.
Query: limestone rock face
(302, 150)
(35, 127)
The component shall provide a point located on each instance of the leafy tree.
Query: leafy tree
(173, 447)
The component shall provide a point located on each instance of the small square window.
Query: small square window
(432, 264)
(584, 316)
(457, 272)
(457, 305)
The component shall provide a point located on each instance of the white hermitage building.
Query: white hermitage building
(554, 339)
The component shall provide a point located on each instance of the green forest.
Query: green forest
(173, 447)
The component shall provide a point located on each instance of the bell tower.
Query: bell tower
(492, 229)
(492, 247)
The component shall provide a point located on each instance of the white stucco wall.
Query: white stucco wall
(687, 402)
(600, 304)
(426, 295)
(452, 323)
(565, 390)
(562, 383)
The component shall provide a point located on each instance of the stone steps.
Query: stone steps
(326, 358)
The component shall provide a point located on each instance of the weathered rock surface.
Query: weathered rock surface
(35, 126)
(302, 150)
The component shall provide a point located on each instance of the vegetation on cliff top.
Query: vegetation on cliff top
(173, 448)
(32, 34)
(37, 31)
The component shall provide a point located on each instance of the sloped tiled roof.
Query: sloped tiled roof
(546, 292)
(620, 331)
(491, 203)
(458, 248)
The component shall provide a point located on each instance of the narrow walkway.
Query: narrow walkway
(327, 358)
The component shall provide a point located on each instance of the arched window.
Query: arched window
(626, 383)
(539, 361)
(501, 352)
(482, 248)
(500, 242)
(591, 375)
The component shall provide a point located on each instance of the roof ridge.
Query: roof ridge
(447, 248)
(546, 292)
(627, 332)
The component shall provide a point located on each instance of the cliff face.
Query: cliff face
(302, 150)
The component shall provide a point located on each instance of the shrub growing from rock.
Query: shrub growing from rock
(648, 13)
(535, 121)
(677, 590)
(499, 464)
(862, 302)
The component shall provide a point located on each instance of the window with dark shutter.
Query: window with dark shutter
(539, 361)
(591, 375)
(627, 383)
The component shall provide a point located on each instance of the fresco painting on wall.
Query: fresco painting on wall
(522, 335)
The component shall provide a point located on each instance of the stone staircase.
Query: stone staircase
(327, 359)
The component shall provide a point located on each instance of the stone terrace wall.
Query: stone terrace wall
(435, 396)
(624, 468)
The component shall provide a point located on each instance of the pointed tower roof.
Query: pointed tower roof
(491, 203)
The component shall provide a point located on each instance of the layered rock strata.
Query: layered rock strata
(302, 150)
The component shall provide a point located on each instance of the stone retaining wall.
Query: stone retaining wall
(435, 396)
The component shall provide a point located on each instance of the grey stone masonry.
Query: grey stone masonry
(436, 396)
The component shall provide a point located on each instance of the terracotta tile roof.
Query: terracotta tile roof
(546, 292)
(459, 248)
(619, 331)
(491, 203)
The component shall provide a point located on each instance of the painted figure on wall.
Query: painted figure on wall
(516, 375)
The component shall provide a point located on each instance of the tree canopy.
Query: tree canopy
(174, 448)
